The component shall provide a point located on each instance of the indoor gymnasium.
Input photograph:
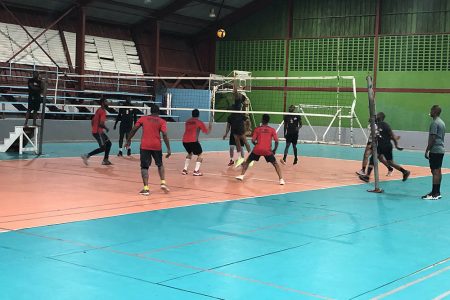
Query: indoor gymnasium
(224, 149)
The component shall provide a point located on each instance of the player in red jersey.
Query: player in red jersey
(262, 139)
(191, 143)
(152, 126)
(98, 128)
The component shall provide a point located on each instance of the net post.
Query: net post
(372, 111)
(44, 101)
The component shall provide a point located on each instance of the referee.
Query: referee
(435, 152)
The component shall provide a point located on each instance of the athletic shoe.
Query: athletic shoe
(106, 162)
(295, 161)
(129, 152)
(389, 173)
(361, 172)
(120, 153)
(239, 162)
(231, 163)
(251, 163)
(184, 172)
(364, 178)
(406, 175)
(427, 196)
(165, 188)
(144, 192)
(197, 173)
(282, 181)
(282, 161)
(432, 197)
(85, 158)
(240, 177)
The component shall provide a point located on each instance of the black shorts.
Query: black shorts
(291, 138)
(146, 158)
(436, 160)
(269, 158)
(193, 147)
(101, 139)
(34, 102)
(386, 151)
(232, 141)
(125, 128)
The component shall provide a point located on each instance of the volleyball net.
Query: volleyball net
(325, 104)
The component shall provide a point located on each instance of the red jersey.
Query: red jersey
(192, 130)
(152, 126)
(99, 117)
(263, 135)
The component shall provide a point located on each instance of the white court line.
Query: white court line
(411, 283)
(442, 296)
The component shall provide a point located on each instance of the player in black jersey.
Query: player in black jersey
(385, 137)
(127, 117)
(292, 124)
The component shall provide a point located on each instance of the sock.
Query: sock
(197, 166)
(369, 170)
(163, 181)
(242, 153)
(186, 163)
(436, 189)
(146, 188)
(390, 169)
(120, 149)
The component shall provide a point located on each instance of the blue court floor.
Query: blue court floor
(336, 243)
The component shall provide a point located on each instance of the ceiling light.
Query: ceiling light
(212, 13)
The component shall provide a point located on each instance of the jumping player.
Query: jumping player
(98, 131)
(191, 143)
(127, 117)
(237, 121)
(385, 138)
(232, 142)
(152, 126)
(262, 139)
(292, 124)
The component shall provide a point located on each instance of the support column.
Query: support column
(80, 45)
(377, 31)
(288, 45)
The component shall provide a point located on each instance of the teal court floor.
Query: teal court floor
(330, 243)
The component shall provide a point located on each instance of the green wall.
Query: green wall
(331, 36)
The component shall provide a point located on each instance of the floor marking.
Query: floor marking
(442, 296)
(411, 283)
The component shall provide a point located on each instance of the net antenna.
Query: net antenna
(373, 132)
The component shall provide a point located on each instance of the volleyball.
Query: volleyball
(221, 33)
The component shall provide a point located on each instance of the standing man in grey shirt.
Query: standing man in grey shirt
(435, 152)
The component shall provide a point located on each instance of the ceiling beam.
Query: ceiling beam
(234, 17)
(217, 4)
(172, 8)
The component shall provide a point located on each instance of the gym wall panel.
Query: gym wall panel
(268, 23)
(414, 16)
(409, 111)
(325, 18)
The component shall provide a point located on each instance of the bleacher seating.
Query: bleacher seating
(103, 56)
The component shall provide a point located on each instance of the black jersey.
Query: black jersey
(384, 133)
(127, 116)
(237, 123)
(292, 123)
(34, 86)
